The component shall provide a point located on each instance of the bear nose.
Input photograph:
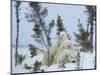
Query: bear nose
(73, 61)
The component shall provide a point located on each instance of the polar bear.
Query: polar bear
(62, 52)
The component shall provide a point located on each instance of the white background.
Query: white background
(5, 28)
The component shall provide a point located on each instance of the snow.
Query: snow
(19, 69)
(56, 67)
(28, 60)
(86, 62)
(50, 68)
(70, 66)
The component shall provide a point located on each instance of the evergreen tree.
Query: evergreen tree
(41, 29)
(91, 10)
(60, 26)
(82, 38)
(82, 41)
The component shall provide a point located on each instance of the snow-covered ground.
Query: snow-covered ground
(87, 61)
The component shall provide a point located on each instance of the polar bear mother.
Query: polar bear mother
(61, 53)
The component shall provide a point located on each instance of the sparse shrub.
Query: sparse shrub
(20, 58)
(37, 65)
(27, 67)
(33, 51)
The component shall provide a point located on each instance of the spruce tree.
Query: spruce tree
(91, 10)
(60, 26)
(82, 38)
(40, 29)
(82, 41)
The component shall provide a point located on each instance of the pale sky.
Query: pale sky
(69, 13)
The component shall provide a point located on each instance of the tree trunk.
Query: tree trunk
(82, 62)
(78, 60)
(91, 36)
(17, 36)
(47, 37)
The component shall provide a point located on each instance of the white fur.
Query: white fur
(60, 53)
